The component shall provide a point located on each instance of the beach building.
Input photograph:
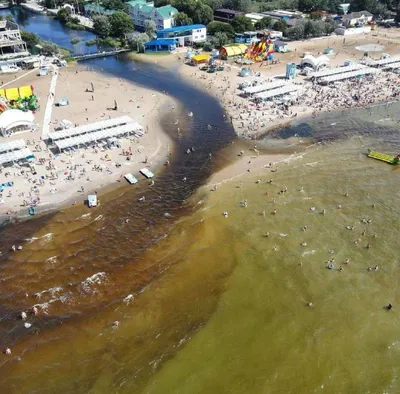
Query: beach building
(247, 37)
(162, 45)
(232, 50)
(185, 35)
(226, 15)
(14, 151)
(255, 16)
(15, 120)
(11, 43)
(141, 11)
(357, 18)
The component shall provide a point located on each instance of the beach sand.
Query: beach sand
(74, 177)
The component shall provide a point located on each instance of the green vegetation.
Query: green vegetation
(65, 18)
(91, 42)
(137, 40)
(74, 41)
(109, 42)
(215, 27)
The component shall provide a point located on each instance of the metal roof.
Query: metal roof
(16, 155)
(130, 128)
(181, 28)
(263, 87)
(387, 60)
(90, 128)
(391, 66)
(12, 145)
(170, 41)
(351, 74)
(277, 92)
(337, 70)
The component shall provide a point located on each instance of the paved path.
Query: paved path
(16, 79)
(50, 103)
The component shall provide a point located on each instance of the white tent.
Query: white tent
(13, 120)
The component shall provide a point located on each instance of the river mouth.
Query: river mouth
(80, 268)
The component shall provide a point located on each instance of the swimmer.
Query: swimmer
(323, 212)
(23, 315)
(126, 220)
(341, 268)
(347, 261)
(7, 351)
(339, 206)
(303, 244)
(368, 246)
(312, 209)
(304, 228)
(115, 324)
(376, 268)
(310, 305)
(225, 214)
(266, 234)
(349, 227)
(346, 194)
(274, 212)
(275, 248)
(184, 179)
(389, 307)
(35, 310)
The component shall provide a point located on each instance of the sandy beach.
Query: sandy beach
(65, 178)
(252, 121)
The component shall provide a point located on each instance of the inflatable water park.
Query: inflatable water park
(22, 98)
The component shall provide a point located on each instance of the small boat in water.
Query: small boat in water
(92, 200)
(383, 157)
(147, 173)
(32, 211)
(130, 178)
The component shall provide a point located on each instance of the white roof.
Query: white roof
(12, 145)
(15, 117)
(351, 74)
(337, 70)
(264, 87)
(16, 155)
(388, 60)
(99, 135)
(277, 92)
(91, 127)
(391, 66)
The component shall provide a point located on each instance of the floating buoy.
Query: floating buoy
(331, 266)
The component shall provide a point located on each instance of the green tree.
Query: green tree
(220, 39)
(316, 15)
(309, 5)
(241, 23)
(398, 14)
(150, 28)
(203, 14)
(215, 27)
(101, 25)
(329, 27)
(295, 33)
(49, 48)
(263, 23)
(136, 41)
(115, 5)
(31, 39)
(207, 46)
(214, 4)
(63, 15)
(181, 19)
(280, 26)
(121, 24)
(9, 18)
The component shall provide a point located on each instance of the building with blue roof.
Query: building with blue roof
(185, 35)
(163, 45)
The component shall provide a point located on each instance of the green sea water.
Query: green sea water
(226, 309)
(262, 336)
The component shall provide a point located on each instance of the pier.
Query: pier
(99, 54)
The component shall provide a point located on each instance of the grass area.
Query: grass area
(74, 41)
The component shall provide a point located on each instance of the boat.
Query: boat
(383, 157)
(4, 6)
(147, 173)
(130, 178)
(92, 200)
(32, 211)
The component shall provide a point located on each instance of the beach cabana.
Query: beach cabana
(232, 50)
(199, 59)
(165, 45)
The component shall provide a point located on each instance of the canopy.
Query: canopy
(200, 58)
(233, 50)
(14, 118)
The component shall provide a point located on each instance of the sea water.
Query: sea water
(215, 306)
